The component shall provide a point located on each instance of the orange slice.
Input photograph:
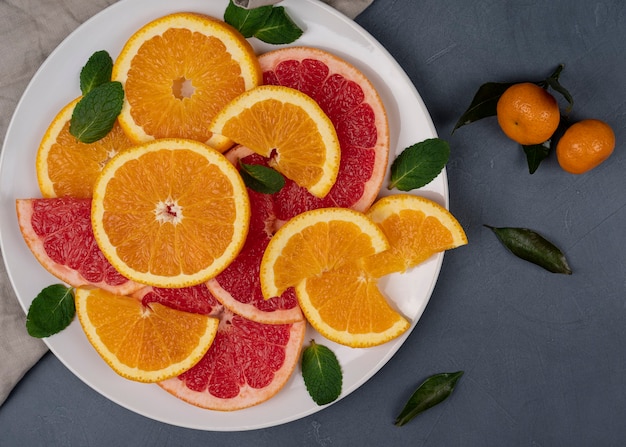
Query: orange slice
(416, 228)
(143, 343)
(178, 71)
(170, 213)
(314, 242)
(67, 167)
(288, 127)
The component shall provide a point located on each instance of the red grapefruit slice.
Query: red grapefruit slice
(358, 114)
(247, 363)
(58, 232)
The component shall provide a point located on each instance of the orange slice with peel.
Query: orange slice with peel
(314, 242)
(178, 71)
(143, 343)
(67, 167)
(170, 213)
(290, 128)
(416, 228)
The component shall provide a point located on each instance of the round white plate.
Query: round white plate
(57, 82)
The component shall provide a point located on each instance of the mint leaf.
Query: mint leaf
(419, 164)
(51, 311)
(321, 373)
(278, 28)
(96, 112)
(261, 179)
(96, 71)
(431, 392)
(246, 21)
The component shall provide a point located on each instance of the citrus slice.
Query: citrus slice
(67, 167)
(416, 228)
(315, 242)
(170, 213)
(178, 71)
(354, 106)
(143, 343)
(346, 306)
(58, 232)
(288, 127)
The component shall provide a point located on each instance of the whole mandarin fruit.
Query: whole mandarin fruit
(528, 113)
(585, 145)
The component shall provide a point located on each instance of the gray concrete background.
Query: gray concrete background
(543, 354)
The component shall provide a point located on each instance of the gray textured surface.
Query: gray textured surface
(543, 354)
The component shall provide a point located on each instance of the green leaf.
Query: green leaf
(532, 247)
(261, 179)
(51, 311)
(553, 82)
(484, 103)
(246, 21)
(431, 392)
(96, 71)
(278, 28)
(96, 112)
(535, 154)
(321, 373)
(419, 164)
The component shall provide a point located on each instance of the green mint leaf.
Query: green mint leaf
(261, 179)
(484, 103)
(419, 164)
(532, 247)
(321, 373)
(535, 154)
(96, 71)
(246, 21)
(51, 311)
(431, 392)
(96, 112)
(278, 28)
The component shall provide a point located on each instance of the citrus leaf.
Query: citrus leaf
(535, 154)
(484, 103)
(96, 112)
(246, 21)
(532, 247)
(51, 311)
(431, 392)
(553, 82)
(96, 71)
(278, 28)
(419, 164)
(321, 373)
(261, 179)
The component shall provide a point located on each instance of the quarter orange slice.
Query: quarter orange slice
(143, 343)
(288, 127)
(416, 228)
(170, 213)
(67, 167)
(178, 71)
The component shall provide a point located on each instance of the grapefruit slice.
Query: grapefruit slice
(358, 114)
(247, 363)
(58, 232)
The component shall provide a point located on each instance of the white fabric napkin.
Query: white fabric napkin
(28, 34)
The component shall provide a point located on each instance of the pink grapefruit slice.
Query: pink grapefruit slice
(248, 362)
(58, 232)
(353, 105)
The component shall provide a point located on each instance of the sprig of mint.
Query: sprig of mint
(51, 311)
(95, 114)
(419, 164)
(261, 178)
(271, 24)
(97, 71)
(321, 373)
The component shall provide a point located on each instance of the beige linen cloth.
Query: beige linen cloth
(29, 31)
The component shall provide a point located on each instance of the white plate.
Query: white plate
(56, 83)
